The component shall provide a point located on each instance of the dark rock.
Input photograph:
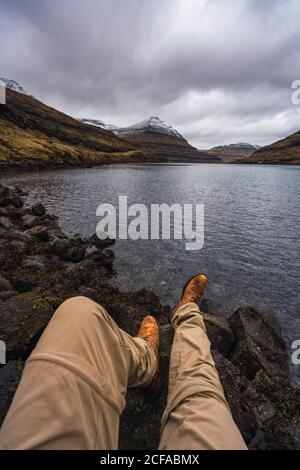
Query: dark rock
(219, 333)
(20, 191)
(68, 250)
(6, 223)
(124, 316)
(4, 284)
(94, 240)
(281, 428)
(7, 294)
(23, 319)
(212, 308)
(4, 193)
(38, 209)
(11, 254)
(106, 258)
(57, 233)
(14, 213)
(36, 262)
(41, 233)
(75, 254)
(9, 197)
(3, 212)
(10, 376)
(258, 343)
(140, 421)
(15, 235)
(86, 292)
(30, 221)
(235, 385)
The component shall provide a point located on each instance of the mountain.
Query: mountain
(232, 152)
(13, 85)
(164, 142)
(34, 135)
(153, 124)
(96, 123)
(285, 152)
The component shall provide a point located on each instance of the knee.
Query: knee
(83, 306)
(78, 306)
(77, 302)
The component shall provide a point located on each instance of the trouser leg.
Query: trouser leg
(197, 415)
(73, 387)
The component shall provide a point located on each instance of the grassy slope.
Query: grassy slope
(285, 151)
(33, 134)
(170, 148)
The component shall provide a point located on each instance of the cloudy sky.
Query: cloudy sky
(220, 71)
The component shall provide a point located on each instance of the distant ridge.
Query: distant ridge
(232, 152)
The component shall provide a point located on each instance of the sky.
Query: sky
(219, 71)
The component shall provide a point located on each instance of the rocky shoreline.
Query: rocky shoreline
(41, 267)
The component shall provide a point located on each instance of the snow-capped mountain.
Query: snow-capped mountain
(13, 85)
(233, 152)
(97, 123)
(163, 141)
(152, 124)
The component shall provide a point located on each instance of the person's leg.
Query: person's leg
(197, 415)
(73, 387)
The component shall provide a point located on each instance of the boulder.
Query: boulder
(94, 240)
(140, 421)
(68, 249)
(219, 333)
(7, 294)
(30, 221)
(37, 263)
(212, 308)
(10, 375)
(38, 209)
(57, 233)
(4, 193)
(235, 385)
(23, 319)
(9, 197)
(258, 343)
(14, 234)
(6, 223)
(281, 427)
(39, 232)
(4, 284)
(3, 212)
(13, 212)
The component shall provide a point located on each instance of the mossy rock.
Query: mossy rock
(22, 320)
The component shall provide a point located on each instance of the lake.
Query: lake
(252, 225)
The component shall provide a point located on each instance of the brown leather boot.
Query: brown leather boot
(191, 292)
(193, 289)
(149, 331)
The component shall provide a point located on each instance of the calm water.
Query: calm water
(252, 226)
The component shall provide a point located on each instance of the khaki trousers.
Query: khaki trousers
(73, 387)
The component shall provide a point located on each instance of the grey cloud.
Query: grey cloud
(218, 70)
